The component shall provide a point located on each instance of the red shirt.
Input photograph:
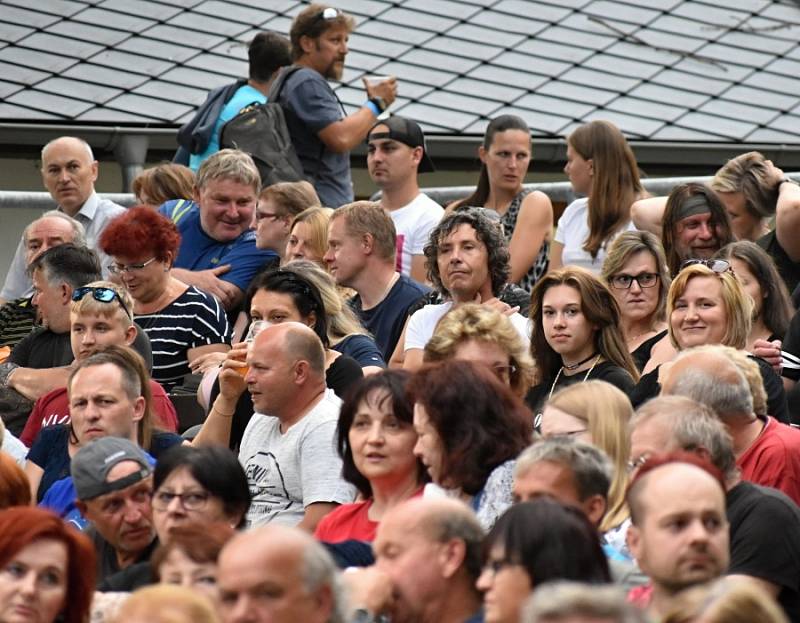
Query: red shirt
(53, 408)
(773, 459)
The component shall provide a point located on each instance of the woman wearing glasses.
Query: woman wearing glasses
(707, 304)
(483, 335)
(533, 543)
(636, 271)
(576, 335)
(191, 487)
(182, 322)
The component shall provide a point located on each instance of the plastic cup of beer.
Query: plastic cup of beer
(376, 80)
(256, 327)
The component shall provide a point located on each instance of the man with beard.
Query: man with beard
(321, 134)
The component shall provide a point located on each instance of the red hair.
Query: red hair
(15, 490)
(140, 231)
(22, 525)
(659, 460)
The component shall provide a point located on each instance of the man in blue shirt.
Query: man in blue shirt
(218, 251)
(199, 138)
(321, 133)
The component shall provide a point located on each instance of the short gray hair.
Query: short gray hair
(724, 398)
(693, 425)
(78, 230)
(557, 601)
(591, 467)
(229, 164)
(320, 570)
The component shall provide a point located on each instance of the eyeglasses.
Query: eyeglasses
(644, 280)
(104, 295)
(192, 501)
(260, 216)
(504, 372)
(718, 266)
(130, 268)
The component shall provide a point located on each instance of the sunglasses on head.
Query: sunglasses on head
(328, 14)
(104, 295)
(718, 266)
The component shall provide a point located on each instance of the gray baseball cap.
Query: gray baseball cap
(91, 465)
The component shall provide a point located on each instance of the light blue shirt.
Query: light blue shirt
(244, 96)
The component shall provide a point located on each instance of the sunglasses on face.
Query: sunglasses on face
(718, 266)
(104, 295)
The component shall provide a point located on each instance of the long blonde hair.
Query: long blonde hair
(606, 411)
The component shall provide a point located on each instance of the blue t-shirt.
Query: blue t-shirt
(386, 320)
(199, 251)
(311, 105)
(363, 349)
(244, 96)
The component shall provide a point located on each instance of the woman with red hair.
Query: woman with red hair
(182, 321)
(47, 568)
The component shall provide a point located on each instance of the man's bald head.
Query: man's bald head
(70, 142)
(707, 375)
(69, 172)
(296, 341)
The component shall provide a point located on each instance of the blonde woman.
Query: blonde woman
(481, 334)
(598, 413)
(308, 239)
(728, 600)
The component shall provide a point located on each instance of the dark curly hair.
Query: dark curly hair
(480, 421)
(393, 383)
(141, 231)
(488, 231)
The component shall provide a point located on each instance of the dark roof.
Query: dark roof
(663, 70)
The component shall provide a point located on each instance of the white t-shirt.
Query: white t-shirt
(423, 323)
(288, 471)
(573, 231)
(413, 223)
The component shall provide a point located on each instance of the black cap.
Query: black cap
(405, 131)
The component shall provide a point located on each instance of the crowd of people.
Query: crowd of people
(244, 402)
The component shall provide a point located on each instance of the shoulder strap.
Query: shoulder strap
(277, 86)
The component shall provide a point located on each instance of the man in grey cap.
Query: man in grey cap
(114, 484)
(396, 154)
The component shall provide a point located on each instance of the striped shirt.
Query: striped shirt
(17, 319)
(194, 319)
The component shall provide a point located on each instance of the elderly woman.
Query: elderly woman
(470, 429)
(47, 568)
(706, 304)
(483, 335)
(182, 321)
(636, 271)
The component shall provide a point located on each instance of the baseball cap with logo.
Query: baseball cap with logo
(406, 131)
(91, 465)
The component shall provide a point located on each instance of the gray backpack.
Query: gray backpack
(261, 131)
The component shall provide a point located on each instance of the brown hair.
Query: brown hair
(164, 182)
(15, 490)
(310, 23)
(600, 308)
(750, 175)
(291, 198)
(615, 184)
(368, 217)
(480, 422)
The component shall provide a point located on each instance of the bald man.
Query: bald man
(69, 172)
(767, 451)
(679, 531)
(288, 448)
(277, 574)
(428, 558)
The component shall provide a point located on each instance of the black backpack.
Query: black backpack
(261, 131)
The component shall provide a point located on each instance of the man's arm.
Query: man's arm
(36, 382)
(418, 272)
(345, 134)
(208, 280)
(648, 214)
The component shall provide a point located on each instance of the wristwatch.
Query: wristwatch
(379, 103)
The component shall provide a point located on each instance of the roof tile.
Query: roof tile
(96, 74)
(158, 108)
(23, 113)
(426, 58)
(54, 104)
(547, 104)
(507, 23)
(157, 49)
(533, 64)
(764, 80)
(690, 82)
(757, 41)
(447, 8)
(188, 38)
(99, 17)
(577, 92)
(581, 39)
(719, 17)
(12, 32)
(726, 53)
(32, 58)
(481, 34)
(668, 95)
(543, 12)
(23, 17)
(651, 108)
(172, 92)
(488, 90)
(742, 112)
(584, 75)
(153, 10)
(69, 47)
(132, 62)
(207, 24)
(787, 123)
(436, 115)
(677, 133)
(108, 115)
(195, 77)
(548, 49)
(63, 8)
(418, 19)
(362, 7)
(394, 32)
(766, 135)
(414, 73)
(238, 13)
(7, 88)
(85, 32)
(218, 64)
(770, 99)
(630, 125)
(78, 89)
(504, 76)
(376, 45)
(464, 103)
(622, 66)
(719, 126)
(463, 49)
(613, 12)
(541, 123)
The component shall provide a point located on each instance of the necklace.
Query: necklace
(575, 366)
(558, 376)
